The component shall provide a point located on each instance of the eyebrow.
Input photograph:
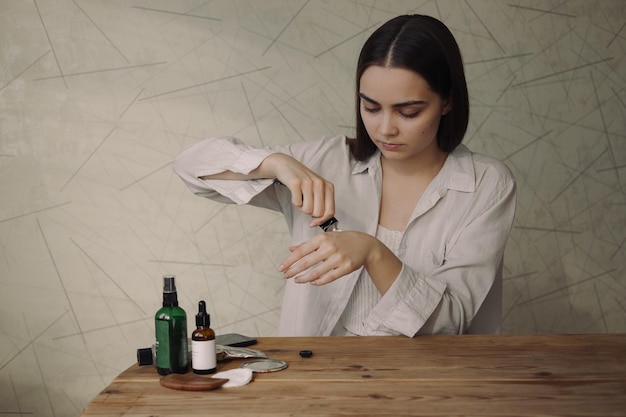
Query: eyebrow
(397, 105)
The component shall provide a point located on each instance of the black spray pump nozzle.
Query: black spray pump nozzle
(169, 284)
(202, 318)
(330, 225)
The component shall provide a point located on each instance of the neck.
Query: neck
(425, 166)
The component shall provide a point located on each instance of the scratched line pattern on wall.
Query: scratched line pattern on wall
(97, 98)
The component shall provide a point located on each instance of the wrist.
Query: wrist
(267, 167)
(382, 265)
(375, 252)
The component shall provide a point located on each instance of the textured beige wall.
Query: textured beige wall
(97, 97)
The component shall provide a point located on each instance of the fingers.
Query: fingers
(321, 274)
(327, 277)
(313, 194)
(297, 198)
(307, 190)
(301, 258)
(317, 262)
(315, 197)
(324, 204)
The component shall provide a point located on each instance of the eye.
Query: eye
(370, 109)
(410, 115)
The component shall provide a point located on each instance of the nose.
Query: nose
(387, 126)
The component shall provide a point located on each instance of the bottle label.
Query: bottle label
(162, 344)
(203, 355)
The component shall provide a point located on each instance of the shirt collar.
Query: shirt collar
(457, 173)
(371, 164)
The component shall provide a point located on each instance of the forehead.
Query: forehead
(394, 84)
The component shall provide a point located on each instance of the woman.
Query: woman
(424, 220)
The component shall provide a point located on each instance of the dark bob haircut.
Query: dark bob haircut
(426, 46)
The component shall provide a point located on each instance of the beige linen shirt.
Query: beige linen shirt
(452, 249)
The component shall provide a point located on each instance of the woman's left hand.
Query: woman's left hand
(332, 255)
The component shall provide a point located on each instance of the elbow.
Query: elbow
(448, 318)
(178, 166)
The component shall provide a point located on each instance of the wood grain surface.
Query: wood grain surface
(533, 375)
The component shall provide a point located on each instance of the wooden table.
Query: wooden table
(512, 375)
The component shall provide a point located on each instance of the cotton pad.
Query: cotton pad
(236, 377)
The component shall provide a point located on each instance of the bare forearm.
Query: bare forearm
(382, 266)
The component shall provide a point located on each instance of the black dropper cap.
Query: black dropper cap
(202, 318)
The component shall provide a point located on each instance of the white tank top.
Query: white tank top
(365, 295)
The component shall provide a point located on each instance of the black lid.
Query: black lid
(202, 318)
(144, 356)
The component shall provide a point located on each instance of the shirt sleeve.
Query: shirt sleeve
(446, 300)
(216, 155)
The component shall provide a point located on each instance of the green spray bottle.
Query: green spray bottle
(172, 354)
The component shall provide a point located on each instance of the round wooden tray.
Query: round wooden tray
(192, 382)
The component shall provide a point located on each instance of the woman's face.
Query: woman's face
(401, 113)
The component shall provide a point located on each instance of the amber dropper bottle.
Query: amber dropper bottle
(203, 358)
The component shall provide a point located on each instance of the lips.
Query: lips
(390, 146)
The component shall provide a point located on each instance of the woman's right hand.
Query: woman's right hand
(313, 194)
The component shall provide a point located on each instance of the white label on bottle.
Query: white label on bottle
(203, 354)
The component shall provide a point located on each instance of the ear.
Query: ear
(447, 106)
